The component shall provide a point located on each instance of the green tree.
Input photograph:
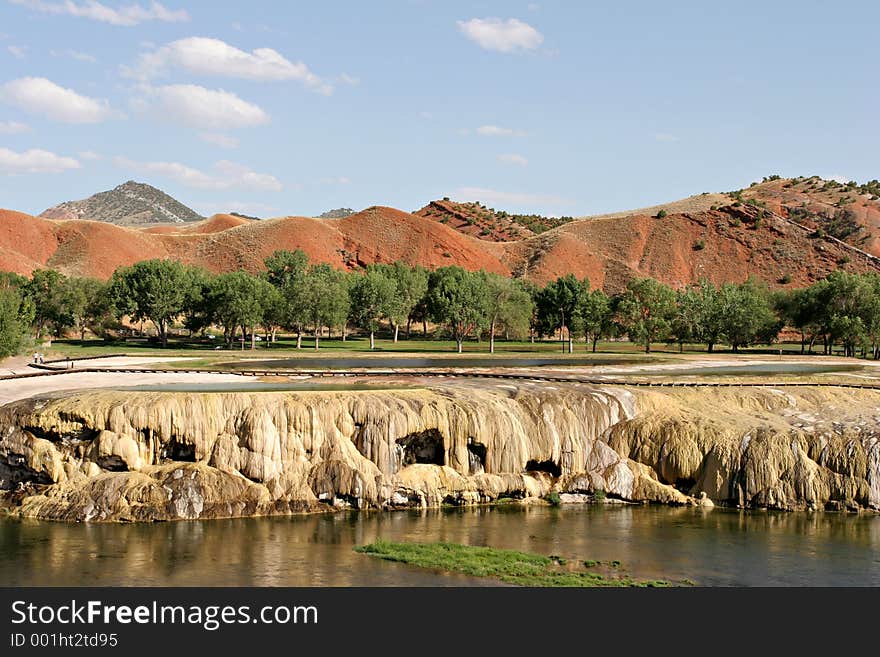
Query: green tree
(534, 293)
(47, 291)
(372, 293)
(16, 314)
(593, 316)
(646, 310)
(238, 301)
(153, 290)
(197, 305)
(846, 301)
(288, 272)
(325, 298)
(747, 317)
(799, 309)
(687, 323)
(508, 306)
(274, 312)
(457, 299)
(88, 304)
(410, 285)
(557, 304)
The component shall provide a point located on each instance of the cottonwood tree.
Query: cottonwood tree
(372, 293)
(508, 306)
(88, 304)
(16, 313)
(457, 299)
(325, 298)
(47, 291)
(288, 272)
(557, 304)
(238, 301)
(645, 311)
(153, 290)
(746, 315)
(410, 284)
(593, 316)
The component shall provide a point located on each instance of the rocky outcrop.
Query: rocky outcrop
(123, 455)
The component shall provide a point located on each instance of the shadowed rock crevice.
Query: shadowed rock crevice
(422, 447)
(14, 470)
(180, 451)
(550, 467)
(476, 457)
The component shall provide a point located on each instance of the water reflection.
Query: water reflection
(718, 547)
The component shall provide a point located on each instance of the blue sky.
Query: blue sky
(275, 108)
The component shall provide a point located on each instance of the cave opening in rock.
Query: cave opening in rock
(81, 435)
(15, 469)
(178, 451)
(549, 467)
(112, 462)
(685, 485)
(422, 447)
(476, 457)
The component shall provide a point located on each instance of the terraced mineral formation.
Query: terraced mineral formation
(121, 455)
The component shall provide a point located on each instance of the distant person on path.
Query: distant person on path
(36, 358)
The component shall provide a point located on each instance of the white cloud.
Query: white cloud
(93, 10)
(345, 78)
(12, 128)
(16, 51)
(238, 175)
(211, 109)
(534, 6)
(226, 175)
(219, 139)
(665, 137)
(34, 161)
(501, 198)
(42, 96)
(498, 131)
(499, 35)
(90, 155)
(205, 56)
(74, 54)
(513, 158)
(339, 180)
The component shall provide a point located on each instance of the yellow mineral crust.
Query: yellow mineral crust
(109, 455)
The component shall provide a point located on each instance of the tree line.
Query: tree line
(314, 299)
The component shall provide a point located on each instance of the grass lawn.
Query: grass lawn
(509, 566)
(286, 347)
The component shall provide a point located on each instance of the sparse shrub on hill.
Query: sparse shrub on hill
(661, 214)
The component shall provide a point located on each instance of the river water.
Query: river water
(716, 547)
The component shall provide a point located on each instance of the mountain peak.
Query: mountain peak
(129, 204)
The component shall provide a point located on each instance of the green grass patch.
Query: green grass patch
(509, 566)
